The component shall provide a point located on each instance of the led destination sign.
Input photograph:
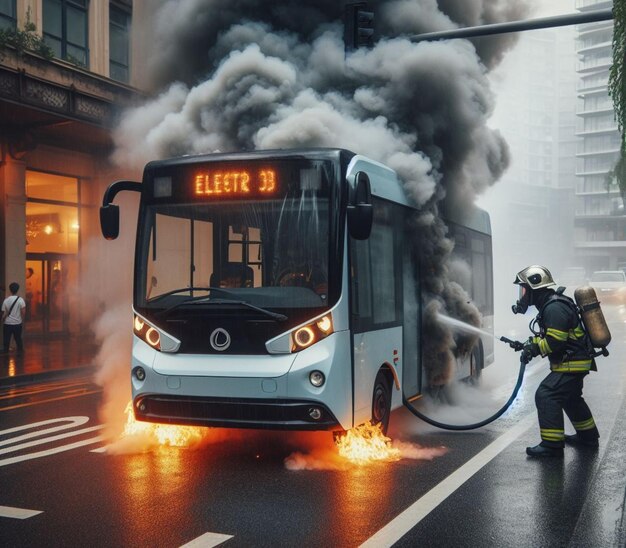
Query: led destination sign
(235, 182)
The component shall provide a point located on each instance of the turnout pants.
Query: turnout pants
(560, 392)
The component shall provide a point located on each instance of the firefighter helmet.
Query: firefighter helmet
(535, 277)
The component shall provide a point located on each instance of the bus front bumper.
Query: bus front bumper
(235, 413)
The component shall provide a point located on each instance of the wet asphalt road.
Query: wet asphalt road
(237, 490)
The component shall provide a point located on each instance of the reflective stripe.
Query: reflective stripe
(557, 334)
(585, 425)
(577, 333)
(544, 347)
(552, 434)
(576, 366)
(553, 437)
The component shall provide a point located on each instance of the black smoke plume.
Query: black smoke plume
(245, 74)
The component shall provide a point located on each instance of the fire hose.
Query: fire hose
(517, 346)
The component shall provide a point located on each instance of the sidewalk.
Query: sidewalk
(43, 359)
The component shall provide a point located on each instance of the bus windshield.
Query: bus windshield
(271, 253)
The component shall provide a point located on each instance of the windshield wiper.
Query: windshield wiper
(275, 315)
(184, 289)
(208, 300)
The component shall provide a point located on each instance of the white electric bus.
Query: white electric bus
(280, 289)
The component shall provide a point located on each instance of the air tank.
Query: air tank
(592, 316)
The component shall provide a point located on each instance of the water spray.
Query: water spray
(515, 345)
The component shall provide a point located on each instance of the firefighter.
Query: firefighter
(561, 338)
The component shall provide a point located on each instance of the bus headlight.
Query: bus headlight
(147, 333)
(306, 335)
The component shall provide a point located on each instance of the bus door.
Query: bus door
(377, 311)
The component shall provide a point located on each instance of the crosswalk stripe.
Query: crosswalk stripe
(60, 449)
(17, 513)
(208, 540)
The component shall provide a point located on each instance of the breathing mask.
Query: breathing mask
(524, 300)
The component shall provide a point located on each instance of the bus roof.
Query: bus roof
(317, 153)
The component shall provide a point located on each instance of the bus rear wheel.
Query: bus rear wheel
(381, 402)
(476, 365)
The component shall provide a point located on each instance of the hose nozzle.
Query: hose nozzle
(515, 345)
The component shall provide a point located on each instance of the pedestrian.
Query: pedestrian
(13, 312)
(561, 337)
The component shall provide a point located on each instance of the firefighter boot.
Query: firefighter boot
(576, 440)
(540, 451)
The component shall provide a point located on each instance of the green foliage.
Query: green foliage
(617, 88)
(25, 39)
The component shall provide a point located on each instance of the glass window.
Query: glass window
(45, 186)
(361, 279)
(8, 18)
(51, 228)
(52, 214)
(119, 40)
(270, 253)
(65, 29)
(383, 278)
(376, 290)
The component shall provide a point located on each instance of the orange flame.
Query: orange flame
(365, 444)
(163, 434)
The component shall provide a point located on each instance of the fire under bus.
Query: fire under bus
(280, 290)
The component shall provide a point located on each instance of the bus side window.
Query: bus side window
(376, 290)
(481, 257)
(383, 276)
(361, 283)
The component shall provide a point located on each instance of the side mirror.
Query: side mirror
(360, 210)
(110, 221)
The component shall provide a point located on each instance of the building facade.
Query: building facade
(600, 222)
(57, 106)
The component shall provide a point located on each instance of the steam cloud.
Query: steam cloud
(243, 74)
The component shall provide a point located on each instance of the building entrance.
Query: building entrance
(52, 234)
(47, 296)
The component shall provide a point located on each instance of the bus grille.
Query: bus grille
(234, 413)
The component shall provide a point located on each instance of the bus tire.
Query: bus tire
(381, 401)
(476, 364)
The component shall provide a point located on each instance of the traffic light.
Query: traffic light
(358, 30)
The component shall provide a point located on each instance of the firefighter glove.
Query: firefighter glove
(529, 351)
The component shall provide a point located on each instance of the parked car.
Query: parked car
(610, 285)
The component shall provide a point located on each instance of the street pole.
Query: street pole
(517, 26)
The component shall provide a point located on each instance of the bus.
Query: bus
(279, 290)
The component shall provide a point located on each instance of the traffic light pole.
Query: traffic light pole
(517, 26)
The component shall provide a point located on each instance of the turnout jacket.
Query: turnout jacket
(562, 337)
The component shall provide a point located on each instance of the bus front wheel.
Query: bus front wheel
(381, 402)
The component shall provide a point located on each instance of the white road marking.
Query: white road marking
(60, 449)
(49, 439)
(17, 513)
(71, 422)
(208, 540)
(99, 450)
(404, 522)
(66, 423)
